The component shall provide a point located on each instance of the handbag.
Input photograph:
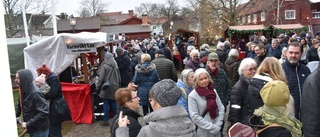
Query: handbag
(105, 85)
(60, 108)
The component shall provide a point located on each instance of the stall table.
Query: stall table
(79, 100)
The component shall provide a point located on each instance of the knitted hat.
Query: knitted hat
(166, 93)
(41, 79)
(275, 93)
(119, 50)
(108, 55)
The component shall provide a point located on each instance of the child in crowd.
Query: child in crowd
(42, 85)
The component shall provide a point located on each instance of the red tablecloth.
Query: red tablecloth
(79, 100)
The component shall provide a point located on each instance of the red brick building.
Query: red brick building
(276, 12)
(132, 28)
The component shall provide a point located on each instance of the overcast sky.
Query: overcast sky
(71, 6)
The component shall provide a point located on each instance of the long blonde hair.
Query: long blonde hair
(272, 66)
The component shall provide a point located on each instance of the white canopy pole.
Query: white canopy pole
(25, 22)
(8, 124)
(54, 20)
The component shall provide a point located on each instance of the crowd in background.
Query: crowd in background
(271, 85)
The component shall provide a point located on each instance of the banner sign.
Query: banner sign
(81, 48)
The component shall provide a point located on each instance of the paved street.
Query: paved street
(85, 130)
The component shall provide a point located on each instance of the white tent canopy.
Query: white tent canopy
(53, 51)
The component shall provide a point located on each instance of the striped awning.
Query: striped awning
(247, 27)
(288, 26)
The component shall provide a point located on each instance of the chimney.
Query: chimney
(130, 13)
(144, 20)
(63, 15)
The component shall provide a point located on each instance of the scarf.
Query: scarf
(213, 72)
(271, 115)
(210, 96)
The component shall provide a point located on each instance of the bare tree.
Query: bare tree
(169, 9)
(151, 9)
(93, 7)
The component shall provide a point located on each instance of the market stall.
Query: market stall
(58, 53)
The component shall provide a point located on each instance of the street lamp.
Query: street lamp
(171, 24)
(73, 23)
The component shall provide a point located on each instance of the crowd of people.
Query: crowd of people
(271, 88)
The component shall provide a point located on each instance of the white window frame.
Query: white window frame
(263, 16)
(249, 18)
(154, 27)
(255, 18)
(290, 14)
(243, 19)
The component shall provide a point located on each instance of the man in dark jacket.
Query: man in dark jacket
(261, 53)
(125, 70)
(32, 105)
(310, 112)
(166, 51)
(282, 41)
(296, 73)
(164, 66)
(276, 49)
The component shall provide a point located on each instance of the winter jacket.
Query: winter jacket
(259, 59)
(34, 109)
(109, 71)
(231, 67)
(251, 54)
(312, 55)
(171, 121)
(145, 77)
(54, 94)
(222, 55)
(192, 65)
(296, 75)
(253, 91)
(134, 126)
(204, 53)
(221, 85)
(151, 52)
(310, 112)
(165, 68)
(183, 101)
(207, 126)
(275, 52)
(239, 111)
(125, 69)
(166, 51)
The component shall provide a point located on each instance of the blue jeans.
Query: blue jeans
(44, 133)
(106, 104)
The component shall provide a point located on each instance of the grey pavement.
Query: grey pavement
(87, 130)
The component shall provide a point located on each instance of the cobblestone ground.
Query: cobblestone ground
(86, 130)
(95, 130)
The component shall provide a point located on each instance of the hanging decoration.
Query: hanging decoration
(231, 32)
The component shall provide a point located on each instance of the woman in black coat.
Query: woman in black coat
(128, 102)
(239, 111)
(54, 94)
(312, 54)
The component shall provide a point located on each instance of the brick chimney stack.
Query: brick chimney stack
(130, 13)
(144, 20)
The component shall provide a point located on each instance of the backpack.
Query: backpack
(241, 130)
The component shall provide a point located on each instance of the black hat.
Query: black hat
(159, 51)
